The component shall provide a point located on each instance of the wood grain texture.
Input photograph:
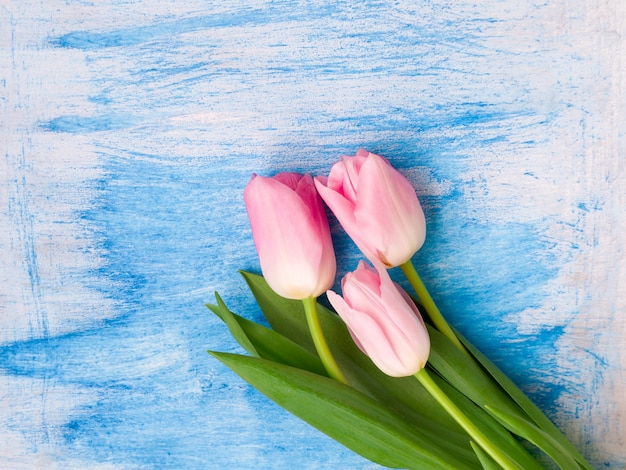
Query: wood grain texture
(129, 129)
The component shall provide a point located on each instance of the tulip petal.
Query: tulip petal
(311, 198)
(383, 324)
(291, 244)
(340, 305)
(370, 337)
(387, 346)
(377, 207)
(344, 176)
(396, 300)
(291, 180)
(344, 211)
(338, 204)
(388, 211)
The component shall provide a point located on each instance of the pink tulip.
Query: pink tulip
(383, 321)
(377, 207)
(291, 234)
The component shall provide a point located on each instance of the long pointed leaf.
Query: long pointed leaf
(235, 329)
(267, 343)
(404, 395)
(486, 461)
(271, 345)
(494, 431)
(346, 415)
(538, 437)
(525, 403)
(467, 376)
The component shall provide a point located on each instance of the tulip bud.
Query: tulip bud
(291, 234)
(383, 321)
(377, 207)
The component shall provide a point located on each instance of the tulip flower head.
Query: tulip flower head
(383, 321)
(377, 207)
(291, 234)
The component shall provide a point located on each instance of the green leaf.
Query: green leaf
(346, 415)
(267, 343)
(466, 375)
(233, 325)
(485, 460)
(538, 437)
(525, 403)
(492, 429)
(469, 377)
(405, 396)
(285, 316)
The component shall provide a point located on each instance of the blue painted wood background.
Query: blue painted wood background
(130, 128)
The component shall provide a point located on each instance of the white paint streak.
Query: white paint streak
(47, 249)
(32, 437)
(572, 183)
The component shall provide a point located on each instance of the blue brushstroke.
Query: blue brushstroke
(90, 41)
(167, 229)
(163, 239)
(493, 271)
(172, 230)
(164, 233)
(86, 124)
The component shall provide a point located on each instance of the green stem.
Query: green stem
(310, 309)
(475, 433)
(429, 304)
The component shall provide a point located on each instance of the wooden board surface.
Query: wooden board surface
(130, 128)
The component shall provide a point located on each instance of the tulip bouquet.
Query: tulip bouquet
(385, 374)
